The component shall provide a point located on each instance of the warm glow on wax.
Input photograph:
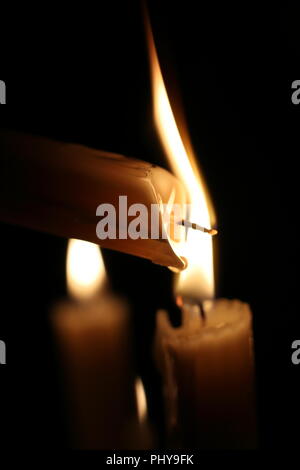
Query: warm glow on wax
(85, 269)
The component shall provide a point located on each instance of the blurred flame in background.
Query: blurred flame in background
(85, 269)
(141, 401)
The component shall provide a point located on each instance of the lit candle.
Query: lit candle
(206, 363)
(93, 336)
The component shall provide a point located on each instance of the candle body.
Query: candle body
(94, 344)
(56, 187)
(208, 374)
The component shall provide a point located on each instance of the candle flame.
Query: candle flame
(141, 401)
(197, 281)
(85, 269)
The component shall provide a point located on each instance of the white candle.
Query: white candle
(93, 336)
(207, 368)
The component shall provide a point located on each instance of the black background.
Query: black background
(83, 76)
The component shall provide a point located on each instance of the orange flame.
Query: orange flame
(197, 280)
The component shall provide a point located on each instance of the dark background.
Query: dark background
(83, 76)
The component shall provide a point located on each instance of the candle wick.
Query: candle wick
(202, 312)
(187, 224)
